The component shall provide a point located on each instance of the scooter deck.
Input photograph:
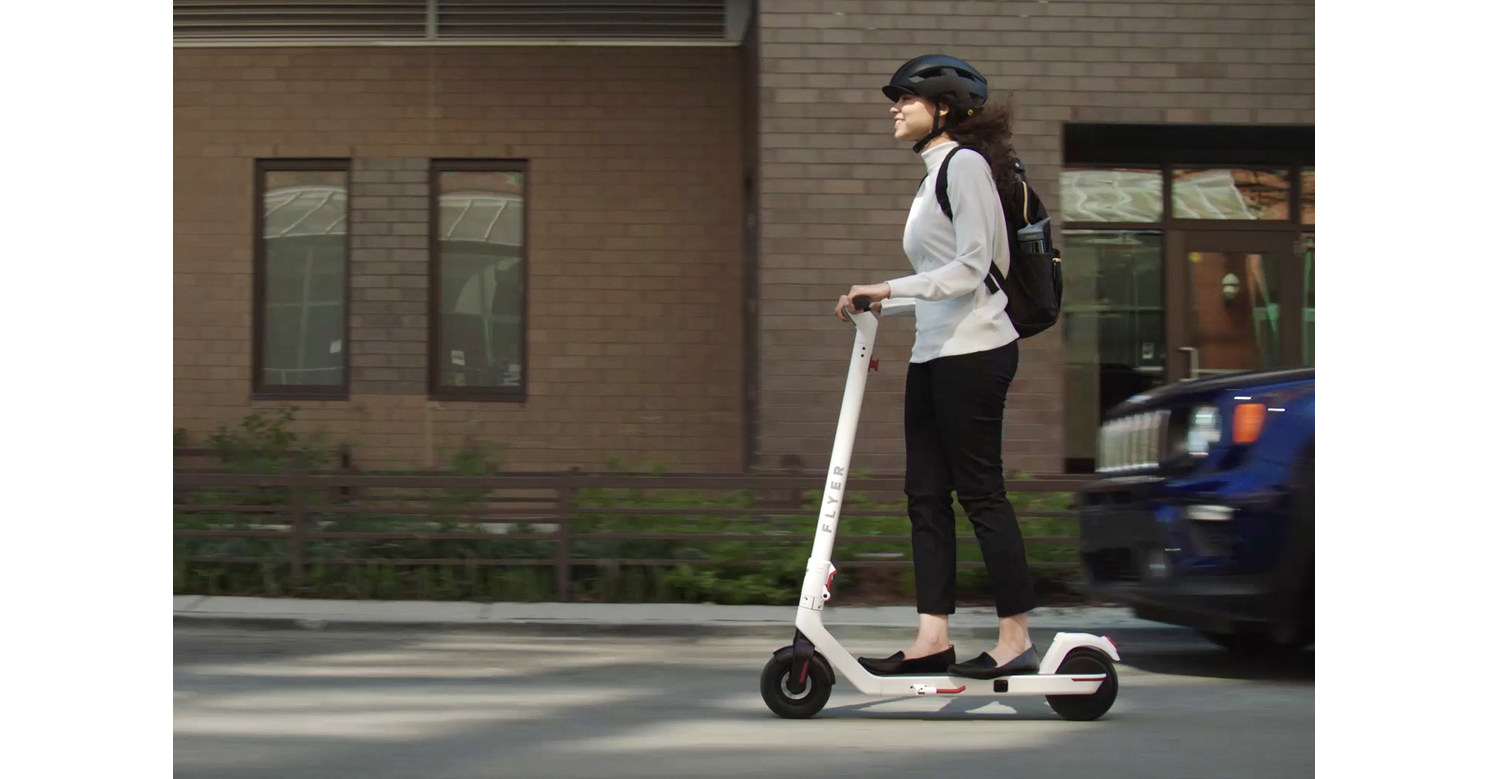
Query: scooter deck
(1015, 685)
(1048, 682)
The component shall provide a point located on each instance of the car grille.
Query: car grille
(1133, 442)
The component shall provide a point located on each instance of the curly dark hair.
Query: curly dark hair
(989, 131)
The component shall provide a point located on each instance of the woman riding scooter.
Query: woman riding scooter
(964, 358)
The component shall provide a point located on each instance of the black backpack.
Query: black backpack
(1035, 283)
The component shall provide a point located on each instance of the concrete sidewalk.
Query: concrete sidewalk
(625, 617)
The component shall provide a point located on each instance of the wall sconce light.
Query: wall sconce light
(1229, 286)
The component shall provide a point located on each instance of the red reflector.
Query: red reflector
(1088, 679)
(948, 691)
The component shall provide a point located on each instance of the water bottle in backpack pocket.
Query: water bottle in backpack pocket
(1035, 283)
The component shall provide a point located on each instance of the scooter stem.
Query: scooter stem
(813, 588)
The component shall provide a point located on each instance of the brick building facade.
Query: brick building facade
(693, 210)
(634, 156)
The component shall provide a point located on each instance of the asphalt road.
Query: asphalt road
(431, 704)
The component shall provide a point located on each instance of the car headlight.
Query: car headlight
(1203, 430)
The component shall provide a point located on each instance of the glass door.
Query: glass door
(1234, 302)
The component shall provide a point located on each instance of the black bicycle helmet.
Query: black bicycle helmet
(939, 78)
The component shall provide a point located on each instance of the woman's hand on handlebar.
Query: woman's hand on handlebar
(874, 292)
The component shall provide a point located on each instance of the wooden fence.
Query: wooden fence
(298, 510)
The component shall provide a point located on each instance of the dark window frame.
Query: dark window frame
(260, 388)
(517, 394)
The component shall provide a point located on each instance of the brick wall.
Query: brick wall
(634, 187)
(388, 295)
(835, 185)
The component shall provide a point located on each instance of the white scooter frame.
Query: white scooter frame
(791, 691)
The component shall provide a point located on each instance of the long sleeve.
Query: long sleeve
(893, 306)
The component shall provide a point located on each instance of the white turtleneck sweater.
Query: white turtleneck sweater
(954, 312)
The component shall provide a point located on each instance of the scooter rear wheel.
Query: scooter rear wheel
(1084, 660)
(791, 705)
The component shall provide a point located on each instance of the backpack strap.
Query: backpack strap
(942, 194)
(995, 274)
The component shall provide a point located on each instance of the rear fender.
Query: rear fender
(1064, 643)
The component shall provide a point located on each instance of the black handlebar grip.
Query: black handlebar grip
(861, 303)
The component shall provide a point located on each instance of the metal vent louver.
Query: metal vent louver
(307, 20)
(331, 22)
(571, 19)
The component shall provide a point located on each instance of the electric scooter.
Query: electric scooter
(1077, 675)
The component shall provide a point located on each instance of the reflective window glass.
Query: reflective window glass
(1110, 195)
(1113, 328)
(1224, 193)
(1309, 293)
(481, 279)
(1234, 311)
(1308, 197)
(302, 314)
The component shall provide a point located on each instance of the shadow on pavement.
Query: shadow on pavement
(1220, 664)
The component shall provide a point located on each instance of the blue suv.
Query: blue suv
(1203, 511)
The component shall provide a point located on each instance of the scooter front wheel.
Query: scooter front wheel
(774, 688)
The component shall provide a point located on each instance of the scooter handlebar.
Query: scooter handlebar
(861, 303)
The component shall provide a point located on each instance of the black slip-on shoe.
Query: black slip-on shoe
(896, 665)
(984, 667)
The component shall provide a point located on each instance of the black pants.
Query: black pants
(953, 412)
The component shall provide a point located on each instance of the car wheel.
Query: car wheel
(1306, 513)
(1295, 624)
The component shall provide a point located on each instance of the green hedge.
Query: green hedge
(761, 570)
